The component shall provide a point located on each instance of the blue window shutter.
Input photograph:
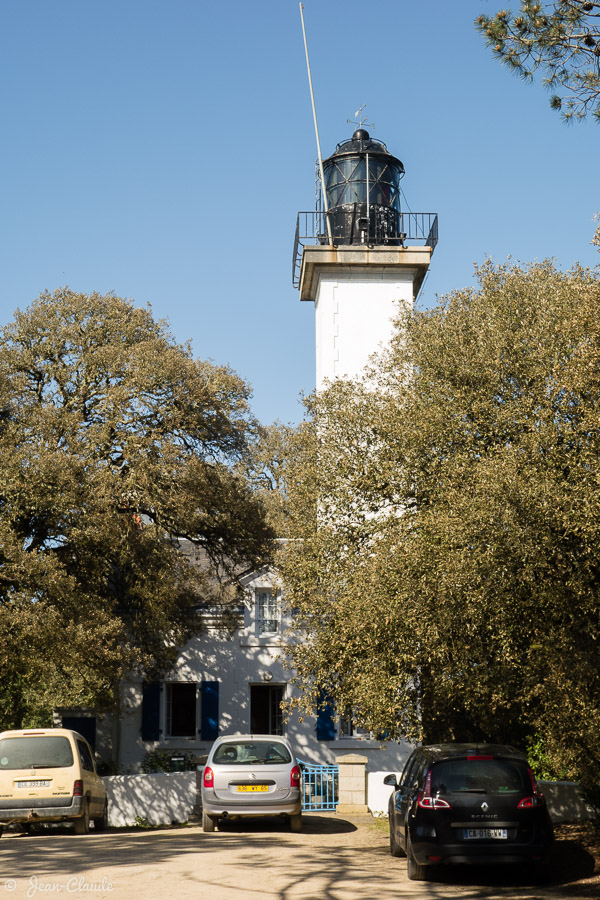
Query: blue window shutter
(325, 723)
(151, 712)
(209, 725)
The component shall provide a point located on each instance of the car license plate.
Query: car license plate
(33, 784)
(251, 788)
(470, 834)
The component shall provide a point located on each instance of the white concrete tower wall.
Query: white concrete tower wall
(354, 314)
(357, 292)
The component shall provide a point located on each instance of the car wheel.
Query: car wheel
(101, 824)
(395, 848)
(82, 823)
(296, 823)
(208, 824)
(414, 870)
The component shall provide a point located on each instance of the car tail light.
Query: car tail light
(471, 756)
(295, 776)
(528, 802)
(209, 779)
(426, 801)
(78, 788)
(536, 798)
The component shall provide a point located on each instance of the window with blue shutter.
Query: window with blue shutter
(209, 715)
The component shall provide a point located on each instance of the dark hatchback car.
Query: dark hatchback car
(467, 803)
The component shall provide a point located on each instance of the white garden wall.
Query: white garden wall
(159, 799)
(378, 793)
(165, 798)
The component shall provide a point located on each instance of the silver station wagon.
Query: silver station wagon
(251, 775)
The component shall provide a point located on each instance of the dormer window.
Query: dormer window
(267, 612)
(264, 615)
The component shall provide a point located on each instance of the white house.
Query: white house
(237, 682)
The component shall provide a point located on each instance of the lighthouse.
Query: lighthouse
(359, 256)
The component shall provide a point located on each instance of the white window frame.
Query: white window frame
(274, 612)
(252, 635)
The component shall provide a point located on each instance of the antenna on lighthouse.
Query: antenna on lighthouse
(312, 100)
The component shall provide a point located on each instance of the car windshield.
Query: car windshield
(35, 752)
(251, 752)
(482, 776)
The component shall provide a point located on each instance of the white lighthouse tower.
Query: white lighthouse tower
(358, 256)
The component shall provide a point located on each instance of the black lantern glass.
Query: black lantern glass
(362, 182)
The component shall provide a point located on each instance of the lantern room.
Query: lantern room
(362, 184)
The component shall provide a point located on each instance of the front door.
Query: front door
(84, 725)
(266, 716)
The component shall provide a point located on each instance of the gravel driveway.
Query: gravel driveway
(333, 859)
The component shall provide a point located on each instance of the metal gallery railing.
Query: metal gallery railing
(414, 228)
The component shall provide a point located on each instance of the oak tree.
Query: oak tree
(115, 445)
(446, 510)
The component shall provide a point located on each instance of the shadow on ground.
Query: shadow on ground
(339, 857)
(565, 875)
(310, 825)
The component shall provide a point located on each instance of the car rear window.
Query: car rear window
(244, 752)
(486, 776)
(43, 752)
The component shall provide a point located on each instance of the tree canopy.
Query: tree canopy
(447, 575)
(115, 443)
(560, 39)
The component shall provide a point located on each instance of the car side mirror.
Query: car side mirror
(391, 780)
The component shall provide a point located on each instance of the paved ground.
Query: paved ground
(332, 859)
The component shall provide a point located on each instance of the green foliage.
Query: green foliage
(265, 469)
(596, 238)
(447, 574)
(114, 444)
(542, 764)
(162, 761)
(560, 38)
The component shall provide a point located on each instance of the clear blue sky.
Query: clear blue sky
(161, 150)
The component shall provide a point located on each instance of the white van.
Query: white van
(49, 775)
